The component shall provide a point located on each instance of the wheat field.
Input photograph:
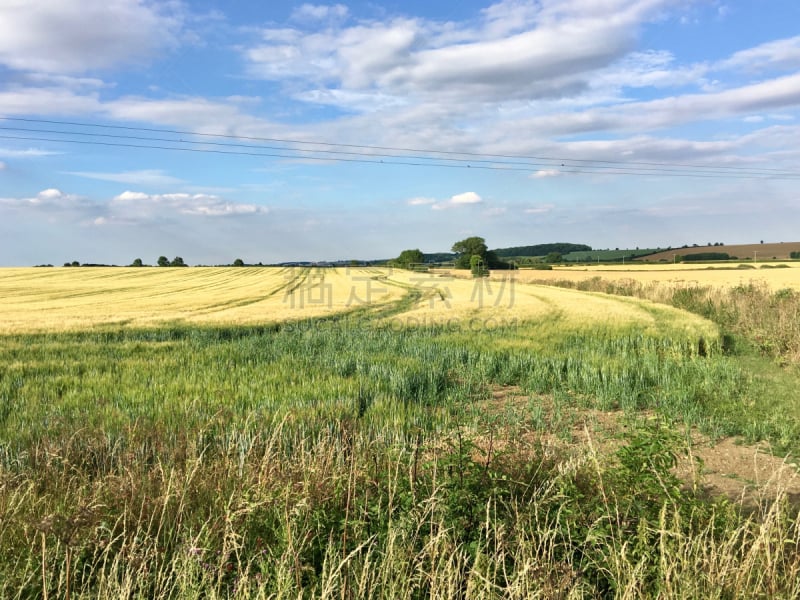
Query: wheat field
(507, 298)
(66, 299)
(39, 300)
(731, 275)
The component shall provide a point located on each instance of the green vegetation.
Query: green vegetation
(541, 249)
(410, 259)
(700, 256)
(470, 247)
(609, 255)
(350, 458)
(759, 326)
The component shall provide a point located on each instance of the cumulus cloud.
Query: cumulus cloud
(459, 200)
(51, 201)
(75, 37)
(129, 207)
(516, 52)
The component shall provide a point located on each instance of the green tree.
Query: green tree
(478, 267)
(408, 258)
(163, 261)
(137, 262)
(467, 248)
(238, 262)
(178, 262)
(553, 257)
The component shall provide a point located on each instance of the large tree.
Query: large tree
(408, 258)
(467, 248)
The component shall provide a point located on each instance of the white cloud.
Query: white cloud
(51, 194)
(459, 200)
(466, 198)
(129, 207)
(21, 100)
(778, 54)
(28, 153)
(319, 12)
(137, 205)
(649, 115)
(2, 165)
(145, 177)
(539, 210)
(543, 173)
(51, 201)
(420, 201)
(65, 36)
(516, 52)
(649, 68)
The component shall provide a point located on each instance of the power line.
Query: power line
(378, 155)
(470, 162)
(387, 148)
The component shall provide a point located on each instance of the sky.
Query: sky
(278, 131)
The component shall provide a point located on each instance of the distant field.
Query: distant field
(606, 255)
(779, 251)
(679, 274)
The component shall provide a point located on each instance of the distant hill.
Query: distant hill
(609, 255)
(769, 251)
(541, 249)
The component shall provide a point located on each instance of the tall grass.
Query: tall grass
(277, 515)
(345, 459)
(769, 319)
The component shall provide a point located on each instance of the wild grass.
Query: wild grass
(752, 312)
(760, 330)
(277, 514)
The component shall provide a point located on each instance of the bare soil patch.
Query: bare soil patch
(749, 475)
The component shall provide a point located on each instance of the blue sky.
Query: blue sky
(616, 123)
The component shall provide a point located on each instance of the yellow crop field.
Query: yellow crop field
(507, 299)
(65, 299)
(62, 299)
(681, 274)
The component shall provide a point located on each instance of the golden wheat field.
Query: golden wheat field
(731, 275)
(65, 299)
(506, 298)
(60, 299)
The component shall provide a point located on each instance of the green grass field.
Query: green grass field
(608, 255)
(350, 455)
